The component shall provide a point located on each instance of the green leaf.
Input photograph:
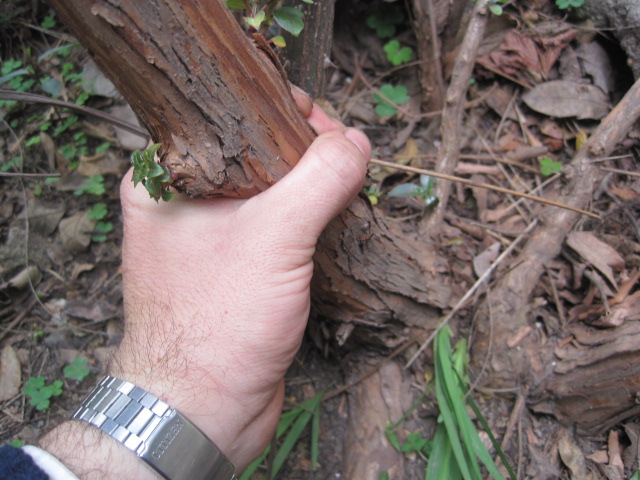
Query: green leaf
(256, 21)
(279, 41)
(392, 437)
(93, 185)
(495, 9)
(397, 94)
(548, 166)
(77, 370)
(98, 211)
(396, 53)
(40, 394)
(235, 4)
(48, 23)
(290, 19)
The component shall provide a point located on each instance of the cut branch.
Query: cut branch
(229, 126)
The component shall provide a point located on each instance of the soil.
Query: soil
(60, 284)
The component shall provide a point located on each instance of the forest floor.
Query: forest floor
(61, 230)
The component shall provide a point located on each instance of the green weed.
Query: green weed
(396, 53)
(548, 166)
(153, 176)
(566, 4)
(40, 394)
(77, 370)
(293, 423)
(93, 186)
(425, 190)
(398, 95)
(386, 24)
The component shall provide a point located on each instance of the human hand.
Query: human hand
(217, 291)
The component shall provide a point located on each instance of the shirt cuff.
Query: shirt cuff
(49, 464)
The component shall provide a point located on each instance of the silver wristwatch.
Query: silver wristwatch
(158, 434)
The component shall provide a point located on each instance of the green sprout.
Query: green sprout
(93, 186)
(153, 176)
(40, 394)
(396, 53)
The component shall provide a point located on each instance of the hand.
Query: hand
(217, 291)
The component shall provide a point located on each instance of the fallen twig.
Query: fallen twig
(466, 181)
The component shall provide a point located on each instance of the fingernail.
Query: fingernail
(360, 140)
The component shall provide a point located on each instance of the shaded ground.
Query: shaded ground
(72, 306)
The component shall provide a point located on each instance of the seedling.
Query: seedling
(77, 370)
(153, 176)
(565, 4)
(262, 14)
(93, 186)
(385, 25)
(374, 194)
(396, 53)
(548, 166)
(98, 211)
(398, 95)
(424, 190)
(40, 394)
(496, 8)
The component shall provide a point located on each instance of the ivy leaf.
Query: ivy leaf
(290, 19)
(397, 95)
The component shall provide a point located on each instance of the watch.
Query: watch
(158, 434)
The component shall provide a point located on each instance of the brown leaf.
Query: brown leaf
(597, 253)
(567, 99)
(573, 458)
(75, 232)
(10, 373)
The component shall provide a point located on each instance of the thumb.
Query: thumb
(321, 185)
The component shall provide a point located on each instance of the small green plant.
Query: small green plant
(457, 450)
(386, 24)
(93, 186)
(496, 8)
(424, 190)
(261, 14)
(101, 230)
(566, 4)
(77, 370)
(389, 93)
(98, 211)
(153, 176)
(548, 166)
(40, 394)
(17, 443)
(396, 53)
(293, 423)
(374, 194)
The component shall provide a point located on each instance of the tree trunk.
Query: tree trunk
(229, 126)
(306, 55)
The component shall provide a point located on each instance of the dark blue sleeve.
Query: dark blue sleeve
(15, 464)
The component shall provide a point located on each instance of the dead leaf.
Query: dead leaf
(603, 257)
(30, 274)
(128, 140)
(483, 261)
(615, 452)
(79, 268)
(526, 59)
(627, 311)
(573, 458)
(75, 232)
(567, 99)
(44, 216)
(90, 309)
(10, 373)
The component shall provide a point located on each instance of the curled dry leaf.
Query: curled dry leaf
(562, 99)
(602, 256)
(10, 373)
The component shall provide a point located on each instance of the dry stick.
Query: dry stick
(513, 291)
(465, 181)
(454, 107)
(471, 291)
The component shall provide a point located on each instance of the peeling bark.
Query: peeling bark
(229, 126)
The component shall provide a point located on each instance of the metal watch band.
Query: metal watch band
(158, 434)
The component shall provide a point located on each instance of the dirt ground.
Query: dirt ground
(60, 284)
